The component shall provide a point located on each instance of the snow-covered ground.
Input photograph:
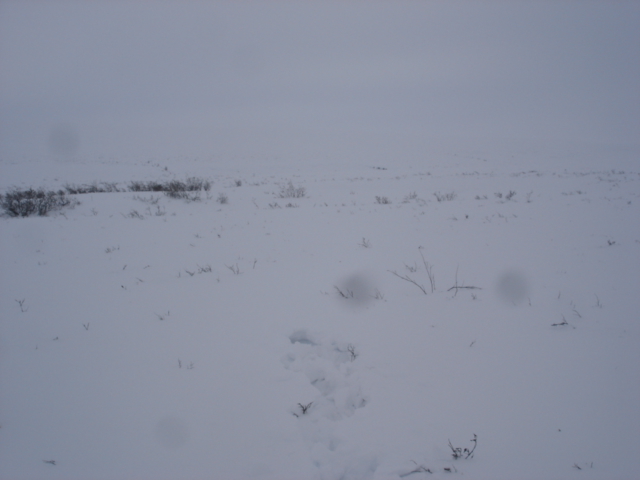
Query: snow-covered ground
(143, 337)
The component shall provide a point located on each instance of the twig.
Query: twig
(429, 269)
(458, 287)
(352, 350)
(305, 408)
(475, 444)
(234, 268)
(410, 280)
(418, 469)
(22, 307)
(563, 323)
(598, 304)
(458, 452)
(348, 294)
(365, 243)
(410, 268)
(378, 295)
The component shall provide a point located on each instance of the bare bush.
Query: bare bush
(24, 203)
(95, 187)
(188, 190)
(346, 293)
(304, 408)
(442, 197)
(411, 196)
(150, 199)
(459, 452)
(234, 268)
(187, 196)
(151, 186)
(410, 280)
(23, 307)
(134, 214)
(291, 191)
(429, 268)
(173, 188)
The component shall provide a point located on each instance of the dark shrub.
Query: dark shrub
(23, 203)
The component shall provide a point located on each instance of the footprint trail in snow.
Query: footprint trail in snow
(332, 368)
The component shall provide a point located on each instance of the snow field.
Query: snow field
(201, 340)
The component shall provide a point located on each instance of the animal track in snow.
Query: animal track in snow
(329, 366)
(332, 368)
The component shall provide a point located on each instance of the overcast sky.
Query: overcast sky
(311, 79)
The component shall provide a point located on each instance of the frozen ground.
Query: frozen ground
(143, 337)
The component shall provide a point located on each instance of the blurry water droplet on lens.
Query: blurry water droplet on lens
(513, 287)
(172, 432)
(359, 288)
(63, 140)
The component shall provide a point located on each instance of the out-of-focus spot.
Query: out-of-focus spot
(247, 62)
(513, 287)
(63, 140)
(357, 290)
(172, 432)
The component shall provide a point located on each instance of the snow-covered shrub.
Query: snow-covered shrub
(191, 184)
(441, 197)
(459, 452)
(23, 203)
(290, 191)
(151, 186)
(183, 195)
(172, 188)
(95, 187)
(188, 190)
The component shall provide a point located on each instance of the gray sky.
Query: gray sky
(303, 79)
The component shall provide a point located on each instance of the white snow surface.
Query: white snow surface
(200, 340)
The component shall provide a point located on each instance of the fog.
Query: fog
(314, 81)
